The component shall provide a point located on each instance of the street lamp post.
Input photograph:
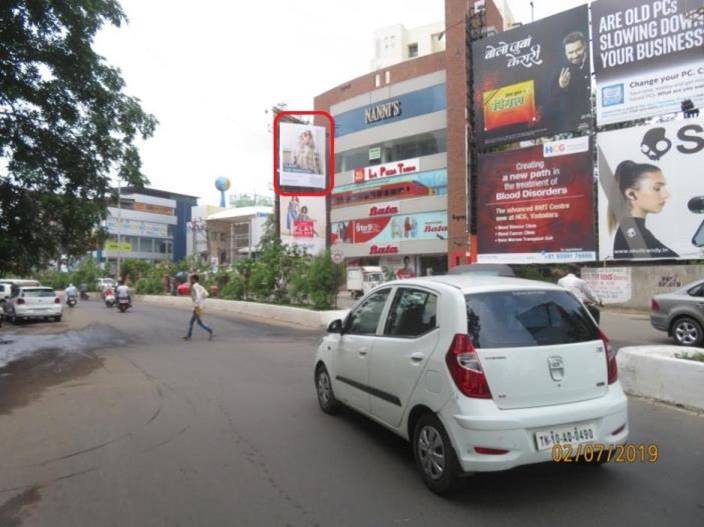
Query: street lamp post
(119, 226)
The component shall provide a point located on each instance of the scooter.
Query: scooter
(71, 301)
(123, 304)
(109, 300)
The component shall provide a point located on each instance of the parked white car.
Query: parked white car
(480, 373)
(5, 291)
(32, 303)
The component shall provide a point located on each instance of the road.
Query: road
(151, 430)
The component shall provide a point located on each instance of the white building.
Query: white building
(235, 233)
(197, 232)
(395, 44)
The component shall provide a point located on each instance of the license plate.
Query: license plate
(565, 435)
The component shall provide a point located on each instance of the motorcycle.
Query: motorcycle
(71, 301)
(84, 295)
(109, 300)
(123, 304)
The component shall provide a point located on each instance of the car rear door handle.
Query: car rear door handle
(363, 352)
(417, 357)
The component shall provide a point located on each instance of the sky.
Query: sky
(210, 70)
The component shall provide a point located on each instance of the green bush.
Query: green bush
(234, 288)
(150, 286)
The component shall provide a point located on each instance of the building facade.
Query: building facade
(233, 234)
(401, 177)
(148, 224)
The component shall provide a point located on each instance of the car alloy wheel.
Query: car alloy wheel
(431, 452)
(687, 332)
(326, 397)
(435, 457)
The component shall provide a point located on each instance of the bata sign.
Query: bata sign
(384, 209)
(383, 249)
(397, 168)
(381, 112)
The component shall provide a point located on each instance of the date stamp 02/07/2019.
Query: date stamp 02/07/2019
(601, 453)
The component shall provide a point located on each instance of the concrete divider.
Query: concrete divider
(653, 371)
(295, 316)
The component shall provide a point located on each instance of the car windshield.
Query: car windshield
(38, 293)
(527, 318)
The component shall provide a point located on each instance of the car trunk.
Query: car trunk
(39, 298)
(537, 348)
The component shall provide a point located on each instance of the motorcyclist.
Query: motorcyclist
(123, 291)
(71, 292)
(583, 292)
(83, 288)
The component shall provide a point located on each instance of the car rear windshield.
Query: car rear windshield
(38, 292)
(527, 318)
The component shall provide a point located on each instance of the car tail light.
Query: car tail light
(466, 370)
(57, 301)
(654, 306)
(611, 367)
(618, 430)
(20, 301)
(490, 451)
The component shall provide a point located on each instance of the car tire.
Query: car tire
(326, 396)
(687, 332)
(13, 319)
(435, 457)
(57, 319)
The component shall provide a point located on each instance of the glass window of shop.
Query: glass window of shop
(419, 145)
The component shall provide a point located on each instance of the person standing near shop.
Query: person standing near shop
(198, 295)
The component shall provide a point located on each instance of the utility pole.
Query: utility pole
(119, 225)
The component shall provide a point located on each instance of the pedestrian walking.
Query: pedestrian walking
(198, 295)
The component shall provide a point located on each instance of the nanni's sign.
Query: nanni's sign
(381, 112)
(397, 168)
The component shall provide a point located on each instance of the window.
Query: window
(412, 50)
(527, 318)
(697, 290)
(365, 319)
(38, 293)
(408, 147)
(146, 245)
(413, 313)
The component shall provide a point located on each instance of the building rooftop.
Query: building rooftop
(239, 212)
(167, 194)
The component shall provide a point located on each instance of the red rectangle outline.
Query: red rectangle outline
(331, 152)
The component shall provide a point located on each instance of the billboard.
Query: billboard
(387, 229)
(535, 204)
(648, 57)
(651, 192)
(302, 155)
(534, 80)
(132, 227)
(302, 222)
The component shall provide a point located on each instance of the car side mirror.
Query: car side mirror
(335, 326)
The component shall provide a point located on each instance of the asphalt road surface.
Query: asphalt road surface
(151, 430)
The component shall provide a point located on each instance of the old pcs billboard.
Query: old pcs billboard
(648, 57)
(535, 204)
(534, 80)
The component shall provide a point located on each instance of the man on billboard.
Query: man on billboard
(407, 270)
(572, 82)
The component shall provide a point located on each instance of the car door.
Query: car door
(410, 335)
(358, 337)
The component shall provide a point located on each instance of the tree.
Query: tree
(65, 126)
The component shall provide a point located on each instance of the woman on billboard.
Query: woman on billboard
(644, 189)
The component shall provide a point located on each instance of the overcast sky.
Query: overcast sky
(208, 70)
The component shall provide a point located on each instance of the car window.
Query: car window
(38, 293)
(527, 318)
(364, 319)
(413, 313)
(697, 290)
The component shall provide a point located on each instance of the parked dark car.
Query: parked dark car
(681, 314)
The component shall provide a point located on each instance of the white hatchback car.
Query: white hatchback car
(32, 303)
(480, 373)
